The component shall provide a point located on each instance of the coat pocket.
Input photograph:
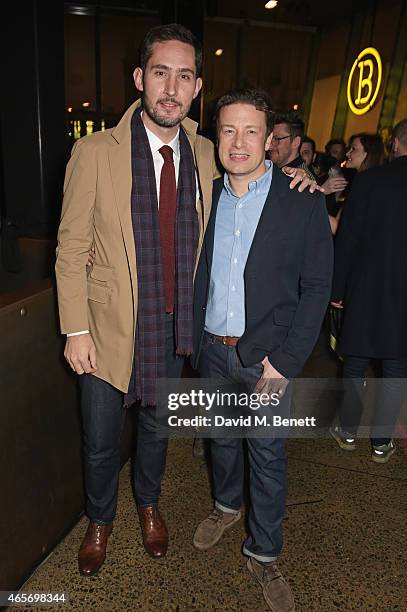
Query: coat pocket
(101, 273)
(98, 292)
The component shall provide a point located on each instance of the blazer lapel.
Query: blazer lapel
(271, 212)
(210, 230)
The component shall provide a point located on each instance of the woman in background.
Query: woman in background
(365, 151)
(363, 285)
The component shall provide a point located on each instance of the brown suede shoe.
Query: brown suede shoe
(92, 552)
(276, 591)
(211, 529)
(154, 530)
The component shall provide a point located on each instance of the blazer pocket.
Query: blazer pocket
(282, 316)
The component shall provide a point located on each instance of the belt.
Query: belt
(227, 340)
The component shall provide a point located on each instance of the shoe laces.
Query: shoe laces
(216, 516)
(270, 572)
(98, 531)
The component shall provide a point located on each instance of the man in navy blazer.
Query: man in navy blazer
(261, 290)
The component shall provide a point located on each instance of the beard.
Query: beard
(161, 119)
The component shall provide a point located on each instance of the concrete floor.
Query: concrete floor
(345, 538)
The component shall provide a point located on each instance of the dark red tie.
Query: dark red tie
(167, 209)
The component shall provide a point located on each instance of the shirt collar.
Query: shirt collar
(259, 186)
(156, 143)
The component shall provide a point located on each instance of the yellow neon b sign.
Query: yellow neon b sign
(366, 97)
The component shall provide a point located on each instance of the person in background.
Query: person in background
(328, 173)
(365, 151)
(370, 286)
(307, 151)
(336, 148)
(321, 166)
(286, 141)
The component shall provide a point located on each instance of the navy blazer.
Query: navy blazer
(287, 278)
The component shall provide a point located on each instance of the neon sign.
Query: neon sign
(364, 84)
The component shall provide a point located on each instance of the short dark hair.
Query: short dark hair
(166, 33)
(309, 140)
(256, 97)
(373, 145)
(324, 162)
(332, 142)
(400, 131)
(294, 122)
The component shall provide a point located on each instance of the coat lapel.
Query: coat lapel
(120, 169)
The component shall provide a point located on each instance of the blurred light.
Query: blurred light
(69, 109)
(89, 127)
(296, 107)
(271, 4)
(218, 52)
(103, 125)
(76, 129)
(78, 9)
(86, 104)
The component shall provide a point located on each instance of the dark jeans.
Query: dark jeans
(267, 461)
(103, 418)
(388, 400)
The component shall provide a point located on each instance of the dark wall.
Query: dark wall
(32, 116)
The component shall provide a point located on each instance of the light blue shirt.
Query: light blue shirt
(235, 226)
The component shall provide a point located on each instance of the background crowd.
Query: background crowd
(365, 193)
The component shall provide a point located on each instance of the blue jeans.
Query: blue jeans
(267, 461)
(388, 401)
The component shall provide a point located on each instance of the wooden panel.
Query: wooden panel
(323, 110)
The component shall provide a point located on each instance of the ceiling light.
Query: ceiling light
(218, 52)
(296, 107)
(271, 4)
(69, 109)
(86, 104)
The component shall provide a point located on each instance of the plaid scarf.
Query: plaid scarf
(149, 351)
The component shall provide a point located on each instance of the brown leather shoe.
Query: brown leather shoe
(92, 552)
(155, 534)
